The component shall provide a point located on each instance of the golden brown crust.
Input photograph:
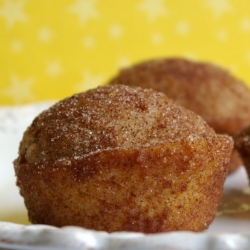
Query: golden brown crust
(235, 161)
(210, 91)
(107, 118)
(119, 158)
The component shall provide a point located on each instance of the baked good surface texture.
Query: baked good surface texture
(120, 158)
(208, 90)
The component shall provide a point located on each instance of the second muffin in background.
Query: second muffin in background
(210, 91)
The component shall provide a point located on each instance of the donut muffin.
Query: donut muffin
(210, 91)
(119, 158)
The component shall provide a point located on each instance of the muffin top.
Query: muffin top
(105, 118)
(207, 89)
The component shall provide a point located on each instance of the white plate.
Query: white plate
(230, 229)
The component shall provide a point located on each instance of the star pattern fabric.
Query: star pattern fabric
(13, 12)
(19, 90)
(89, 80)
(153, 9)
(84, 10)
(219, 7)
(53, 49)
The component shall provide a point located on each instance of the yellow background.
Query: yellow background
(50, 49)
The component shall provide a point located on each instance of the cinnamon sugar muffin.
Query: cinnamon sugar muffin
(210, 91)
(119, 158)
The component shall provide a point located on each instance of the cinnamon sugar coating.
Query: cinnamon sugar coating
(208, 90)
(119, 158)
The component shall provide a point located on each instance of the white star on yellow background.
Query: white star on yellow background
(219, 7)
(12, 11)
(16, 46)
(157, 39)
(222, 35)
(191, 55)
(89, 81)
(45, 34)
(19, 90)
(245, 24)
(123, 62)
(115, 31)
(182, 28)
(89, 42)
(54, 68)
(153, 9)
(84, 9)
